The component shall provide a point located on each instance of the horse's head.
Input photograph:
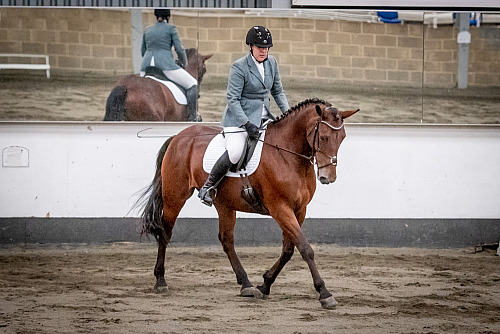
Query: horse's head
(325, 134)
(196, 63)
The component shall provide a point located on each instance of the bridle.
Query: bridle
(312, 158)
(316, 149)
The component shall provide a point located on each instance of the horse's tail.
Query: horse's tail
(115, 105)
(152, 216)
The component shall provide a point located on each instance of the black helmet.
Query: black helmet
(165, 13)
(259, 36)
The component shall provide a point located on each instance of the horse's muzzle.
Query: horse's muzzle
(325, 180)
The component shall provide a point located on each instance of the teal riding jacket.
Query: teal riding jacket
(157, 42)
(247, 92)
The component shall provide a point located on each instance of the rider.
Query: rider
(157, 42)
(251, 79)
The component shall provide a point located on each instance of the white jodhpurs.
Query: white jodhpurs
(179, 76)
(235, 142)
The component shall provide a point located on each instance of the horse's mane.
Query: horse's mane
(300, 106)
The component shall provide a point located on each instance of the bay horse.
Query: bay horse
(143, 99)
(307, 134)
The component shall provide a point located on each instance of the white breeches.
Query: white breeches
(235, 142)
(179, 76)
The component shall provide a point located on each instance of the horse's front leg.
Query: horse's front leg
(264, 290)
(289, 223)
(227, 220)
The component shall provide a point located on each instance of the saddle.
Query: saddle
(247, 165)
(179, 93)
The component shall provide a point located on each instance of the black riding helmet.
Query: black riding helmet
(165, 13)
(259, 36)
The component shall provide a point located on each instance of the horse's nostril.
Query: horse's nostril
(323, 180)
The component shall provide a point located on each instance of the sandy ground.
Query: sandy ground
(84, 100)
(108, 289)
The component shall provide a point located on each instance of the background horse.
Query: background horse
(308, 133)
(142, 99)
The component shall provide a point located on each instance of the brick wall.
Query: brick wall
(98, 41)
(76, 40)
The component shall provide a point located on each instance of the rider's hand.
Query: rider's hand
(252, 130)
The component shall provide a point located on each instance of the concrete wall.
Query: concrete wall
(426, 186)
(384, 171)
(98, 41)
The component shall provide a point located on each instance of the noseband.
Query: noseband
(333, 159)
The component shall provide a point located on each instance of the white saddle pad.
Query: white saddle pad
(176, 92)
(218, 146)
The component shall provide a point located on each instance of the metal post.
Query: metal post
(137, 30)
(463, 41)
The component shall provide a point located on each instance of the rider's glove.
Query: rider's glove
(252, 130)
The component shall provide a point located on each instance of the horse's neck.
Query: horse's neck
(291, 131)
(192, 67)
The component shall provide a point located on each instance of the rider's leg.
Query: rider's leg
(235, 143)
(186, 80)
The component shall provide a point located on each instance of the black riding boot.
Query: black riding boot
(192, 106)
(209, 190)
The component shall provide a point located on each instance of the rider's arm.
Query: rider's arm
(235, 84)
(277, 90)
(143, 47)
(176, 42)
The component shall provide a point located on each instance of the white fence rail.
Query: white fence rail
(384, 171)
(25, 66)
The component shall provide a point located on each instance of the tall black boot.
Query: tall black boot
(209, 190)
(192, 106)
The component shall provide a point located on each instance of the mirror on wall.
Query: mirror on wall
(397, 67)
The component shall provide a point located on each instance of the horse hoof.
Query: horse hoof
(248, 292)
(259, 295)
(161, 288)
(329, 303)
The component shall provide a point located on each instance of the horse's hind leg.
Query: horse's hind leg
(163, 241)
(170, 212)
(227, 220)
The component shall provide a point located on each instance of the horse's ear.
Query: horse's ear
(348, 113)
(206, 57)
(318, 110)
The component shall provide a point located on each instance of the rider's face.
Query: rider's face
(259, 53)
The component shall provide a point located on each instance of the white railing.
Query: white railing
(25, 66)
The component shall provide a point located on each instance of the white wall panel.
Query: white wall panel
(385, 171)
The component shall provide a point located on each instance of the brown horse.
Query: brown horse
(307, 134)
(143, 99)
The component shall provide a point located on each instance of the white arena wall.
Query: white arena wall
(390, 177)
